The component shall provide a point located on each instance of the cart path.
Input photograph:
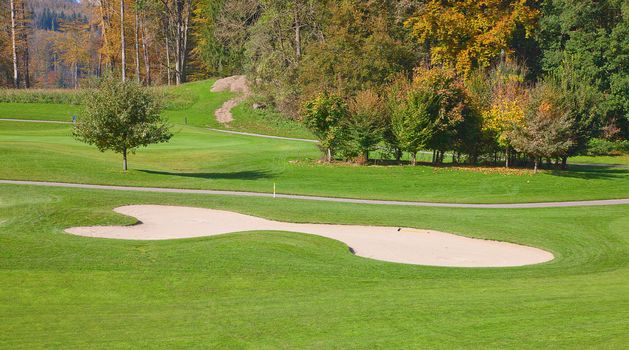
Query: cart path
(321, 198)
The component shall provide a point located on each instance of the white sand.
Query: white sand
(410, 246)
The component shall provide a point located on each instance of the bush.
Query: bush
(602, 147)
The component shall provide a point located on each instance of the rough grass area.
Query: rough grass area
(286, 290)
(56, 96)
(266, 121)
(619, 159)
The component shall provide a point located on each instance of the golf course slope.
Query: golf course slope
(401, 245)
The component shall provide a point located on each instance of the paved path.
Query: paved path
(322, 199)
(265, 136)
(33, 121)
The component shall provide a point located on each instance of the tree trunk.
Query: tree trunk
(137, 46)
(178, 42)
(76, 75)
(104, 22)
(124, 159)
(297, 35)
(564, 162)
(507, 157)
(182, 19)
(167, 60)
(26, 59)
(147, 63)
(535, 165)
(413, 158)
(328, 155)
(16, 81)
(122, 42)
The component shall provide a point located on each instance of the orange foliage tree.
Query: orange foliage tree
(470, 33)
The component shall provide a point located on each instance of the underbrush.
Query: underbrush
(171, 98)
(602, 147)
(62, 96)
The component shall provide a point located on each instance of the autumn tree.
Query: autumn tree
(177, 19)
(71, 48)
(121, 116)
(363, 48)
(408, 109)
(280, 38)
(502, 109)
(546, 132)
(323, 115)
(469, 33)
(363, 127)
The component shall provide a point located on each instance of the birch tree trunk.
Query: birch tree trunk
(145, 55)
(16, 81)
(122, 42)
(297, 35)
(24, 39)
(178, 41)
(168, 60)
(137, 46)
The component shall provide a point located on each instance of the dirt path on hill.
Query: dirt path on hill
(237, 84)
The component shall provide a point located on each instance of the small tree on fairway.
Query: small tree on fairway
(409, 123)
(364, 126)
(547, 128)
(323, 116)
(121, 116)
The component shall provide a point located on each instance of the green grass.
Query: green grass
(197, 158)
(268, 290)
(42, 111)
(620, 159)
(267, 122)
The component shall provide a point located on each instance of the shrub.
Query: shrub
(602, 147)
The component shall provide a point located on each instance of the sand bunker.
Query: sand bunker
(236, 83)
(405, 245)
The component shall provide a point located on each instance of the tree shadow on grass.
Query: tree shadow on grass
(237, 175)
(592, 172)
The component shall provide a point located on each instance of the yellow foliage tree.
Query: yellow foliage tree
(465, 34)
(506, 105)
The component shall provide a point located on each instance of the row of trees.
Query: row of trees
(296, 51)
(473, 119)
(144, 40)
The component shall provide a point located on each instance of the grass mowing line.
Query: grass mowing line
(323, 199)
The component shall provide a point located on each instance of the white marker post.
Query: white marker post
(274, 190)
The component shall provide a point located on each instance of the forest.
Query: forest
(517, 81)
